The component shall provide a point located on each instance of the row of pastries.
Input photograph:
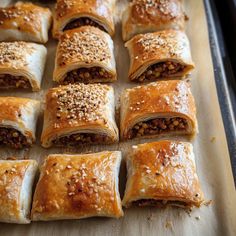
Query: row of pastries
(81, 110)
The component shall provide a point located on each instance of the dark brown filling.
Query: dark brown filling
(13, 81)
(162, 69)
(13, 138)
(81, 22)
(77, 139)
(158, 126)
(86, 74)
(159, 203)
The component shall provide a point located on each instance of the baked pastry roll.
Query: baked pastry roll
(21, 65)
(79, 114)
(162, 173)
(85, 55)
(16, 182)
(145, 16)
(26, 22)
(157, 109)
(159, 55)
(71, 14)
(18, 117)
(78, 186)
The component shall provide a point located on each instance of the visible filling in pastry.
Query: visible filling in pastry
(159, 203)
(86, 74)
(80, 138)
(13, 138)
(81, 22)
(12, 81)
(158, 126)
(162, 69)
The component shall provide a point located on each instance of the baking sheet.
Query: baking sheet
(212, 157)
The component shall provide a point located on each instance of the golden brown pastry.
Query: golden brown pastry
(78, 186)
(157, 109)
(145, 16)
(71, 14)
(154, 56)
(26, 22)
(162, 173)
(85, 55)
(16, 182)
(18, 118)
(21, 65)
(79, 114)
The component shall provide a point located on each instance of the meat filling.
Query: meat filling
(162, 69)
(86, 74)
(13, 138)
(158, 126)
(159, 203)
(81, 22)
(12, 81)
(77, 139)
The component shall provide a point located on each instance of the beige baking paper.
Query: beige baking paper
(212, 157)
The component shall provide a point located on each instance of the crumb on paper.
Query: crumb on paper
(213, 139)
(150, 217)
(208, 202)
(197, 217)
(169, 224)
(188, 211)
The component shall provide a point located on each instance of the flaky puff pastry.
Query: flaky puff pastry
(18, 118)
(78, 186)
(21, 65)
(152, 50)
(85, 49)
(78, 114)
(157, 109)
(26, 22)
(97, 13)
(162, 173)
(16, 182)
(145, 16)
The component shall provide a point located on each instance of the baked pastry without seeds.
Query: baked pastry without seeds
(26, 22)
(78, 186)
(16, 182)
(158, 109)
(71, 14)
(21, 65)
(18, 118)
(85, 55)
(162, 173)
(159, 55)
(79, 114)
(145, 16)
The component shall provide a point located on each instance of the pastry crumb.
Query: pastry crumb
(213, 139)
(169, 224)
(207, 203)
(197, 217)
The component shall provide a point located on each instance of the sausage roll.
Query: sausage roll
(145, 16)
(78, 186)
(71, 14)
(26, 22)
(157, 109)
(16, 182)
(18, 117)
(162, 173)
(21, 65)
(79, 114)
(85, 55)
(159, 55)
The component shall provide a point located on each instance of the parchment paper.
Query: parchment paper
(212, 158)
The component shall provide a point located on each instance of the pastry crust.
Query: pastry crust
(26, 22)
(99, 11)
(85, 48)
(162, 173)
(21, 65)
(74, 112)
(78, 186)
(162, 100)
(16, 182)
(150, 49)
(19, 115)
(145, 16)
